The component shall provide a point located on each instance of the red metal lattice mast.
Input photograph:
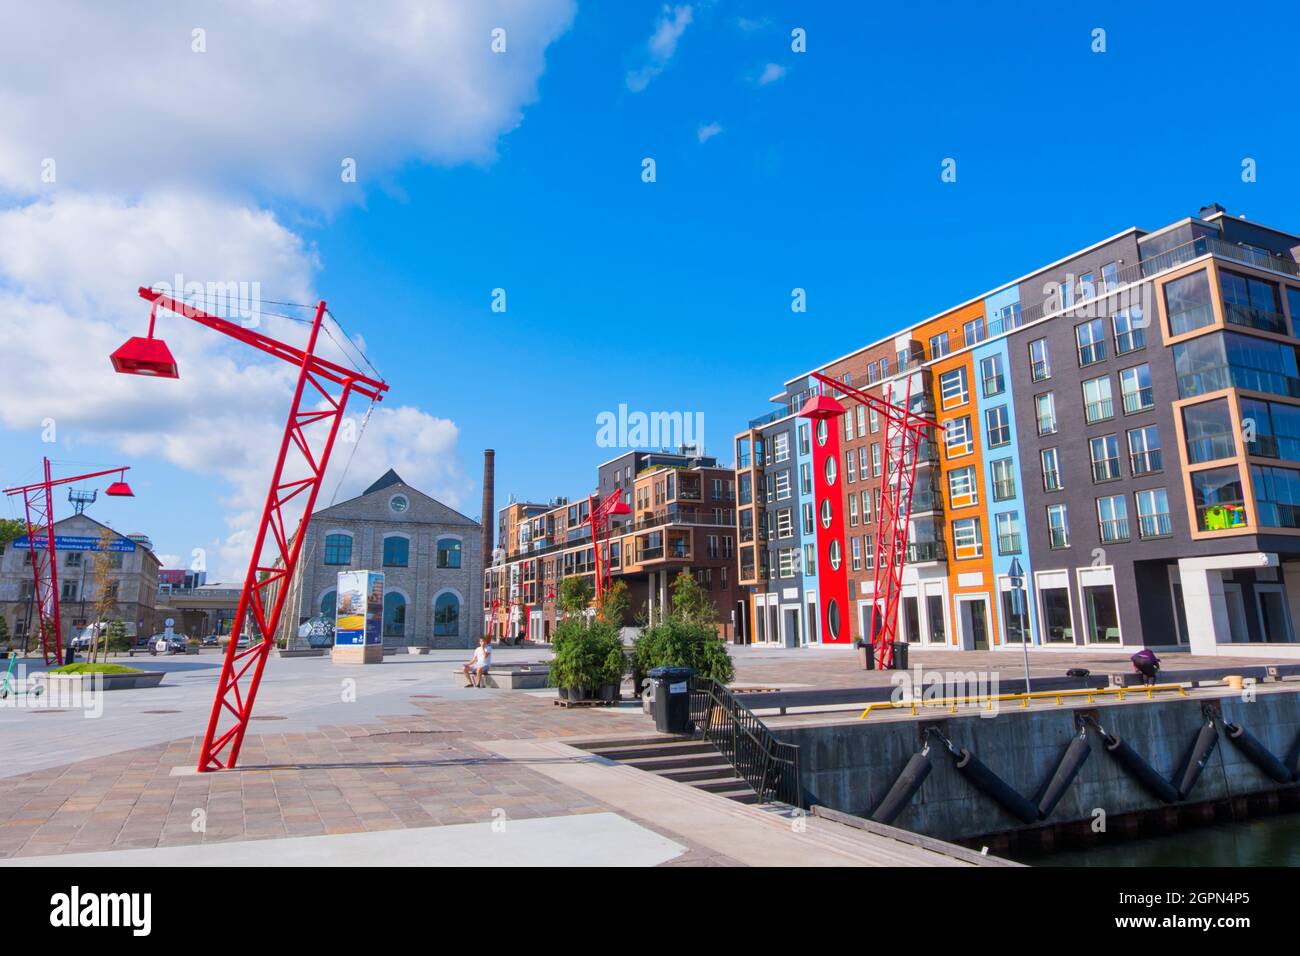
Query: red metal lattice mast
(598, 520)
(38, 504)
(266, 585)
(904, 430)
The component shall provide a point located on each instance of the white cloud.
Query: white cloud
(749, 25)
(707, 131)
(284, 92)
(662, 45)
(771, 73)
(69, 268)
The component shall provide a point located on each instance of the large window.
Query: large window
(394, 614)
(446, 615)
(1135, 386)
(1217, 361)
(1277, 496)
(1051, 461)
(957, 437)
(1058, 526)
(1004, 479)
(1112, 518)
(397, 551)
(953, 389)
(1208, 429)
(966, 539)
(962, 490)
(448, 553)
(1130, 330)
(1105, 457)
(1144, 450)
(1153, 514)
(1098, 404)
(1008, 526)
(998, 423)
(994, 382)
(780, 447)
(1057, 625)
(1274, 427)
(1091, 339)
(973, 331)
(1040, 361)
(1217, 499)
(1187, 303)
(1251, 302)
(1102, 615)
(939, 345)
(1045, 412)
(338, 549)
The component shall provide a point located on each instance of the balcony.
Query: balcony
(689, 491)
(921, 551)
(926, 499)
(1212, 378)
(1253, 318)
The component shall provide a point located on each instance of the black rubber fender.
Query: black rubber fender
(1202, 748)
(1141, 771)
(989, 783)
(1257, 753)
(1072, 762)
(904, 788)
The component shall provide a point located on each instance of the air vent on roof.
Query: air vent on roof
(1210, 210)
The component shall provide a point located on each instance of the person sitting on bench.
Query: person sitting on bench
(476, 667)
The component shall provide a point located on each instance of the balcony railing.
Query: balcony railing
(1098, 411)
(1114, 530)
(1009, 543)
(1107, 469)
(1058, 537)
(1212, 447)
(1253, 318)
(1146, 462)
(919, 551)
(1139, 400)
(1155, 525)
(1215, 377)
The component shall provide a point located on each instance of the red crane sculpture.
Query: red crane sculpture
(598, 520)
(266, 585)
(904, 430)
(38, 503)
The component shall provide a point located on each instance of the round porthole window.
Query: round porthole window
(836, 554)
(823, 431)
(831, 470)
(833, 618)
(398, 503)
(826, 513)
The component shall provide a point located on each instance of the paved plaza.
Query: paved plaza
(339, 750)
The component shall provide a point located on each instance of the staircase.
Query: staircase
(681, 758)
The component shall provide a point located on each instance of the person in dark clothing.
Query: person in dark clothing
(1147, 664)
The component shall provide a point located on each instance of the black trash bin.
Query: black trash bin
(866, 655)
(900, 656)
(672, 698)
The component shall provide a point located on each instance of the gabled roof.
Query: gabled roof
(389, 478)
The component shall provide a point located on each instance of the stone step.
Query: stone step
(668, 749)
(697, 771)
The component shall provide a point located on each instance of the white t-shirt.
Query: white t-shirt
(483, 656)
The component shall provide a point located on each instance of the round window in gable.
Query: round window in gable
(398, 504)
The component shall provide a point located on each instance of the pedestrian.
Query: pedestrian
(477, 667)
(1147, 664)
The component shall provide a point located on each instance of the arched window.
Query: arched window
(446, 615)
(327, 603)
(338, 549)
(448, 552)
(397, 550)
(394, 614)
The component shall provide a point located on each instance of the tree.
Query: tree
(4, 629)
(11, 529)
(616, 605)
(105, 603)
(691, 603)
(575, 595)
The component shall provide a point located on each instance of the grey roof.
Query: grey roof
(390, 478)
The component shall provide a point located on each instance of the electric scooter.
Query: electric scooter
(7, 682)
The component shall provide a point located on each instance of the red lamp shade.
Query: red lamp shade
(622, 508)
(821, 406)
(119, 489)
(141, 356)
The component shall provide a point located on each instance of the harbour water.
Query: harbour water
(1264, 841)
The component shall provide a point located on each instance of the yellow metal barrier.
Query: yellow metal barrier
(952, 703)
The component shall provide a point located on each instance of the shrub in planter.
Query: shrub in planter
(588, 657)
(688, 637)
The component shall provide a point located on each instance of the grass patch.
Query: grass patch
(94, 669)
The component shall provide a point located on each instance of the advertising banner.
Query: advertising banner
(359, 611)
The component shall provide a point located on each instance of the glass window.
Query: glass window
(835, 554)
(1251, 302)
(446, 615)
(1110, 276)
(396, 551)
(338, 549)
(1058, 526)
(998, 423)
(781, 447)
(1045, 411)
(860, 413)
(875, 459)
(973, 331)
(1091, 339)
(953, 389)
(962, 490)
(1208, 430)
(857, 553)
(1271, 429)
(934, 617)
(939, 345)
(1217, 499)
(1130, 330)
(1153, 514)
(831, 470)
(1144, 450)
(1056, 615)
(1135, 387)
(1004, 479)
(827, 514)
(804, 446)
(1293, 304)
(1112, 518)
(1008, 527)
(394, 614)
(1014, 614)
(1051, 463)
(1216, 361)
(1187, 303)
(1101, 613)
(1097, 402)
(850, 466)
(1277, 496)
(957, 436)
(1040, 362)
(1105, 457)
(448, 553)
(966, 539)
(991, 374)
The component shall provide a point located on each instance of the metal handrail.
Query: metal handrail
(952, 703)
(770, 766)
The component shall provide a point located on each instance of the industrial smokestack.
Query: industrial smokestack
(489, 517)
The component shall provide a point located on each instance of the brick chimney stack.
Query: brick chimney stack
(489, 517)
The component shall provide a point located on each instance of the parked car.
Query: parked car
(169, 645)
(209, 641)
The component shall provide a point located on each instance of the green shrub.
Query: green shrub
(687, 638)
(587, 654)
(94, 669)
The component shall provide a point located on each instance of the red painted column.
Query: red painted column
(832, 553)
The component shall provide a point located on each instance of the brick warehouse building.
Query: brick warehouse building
(1124, 422)
(683, 520)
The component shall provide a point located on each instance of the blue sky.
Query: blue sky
(672, 295)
